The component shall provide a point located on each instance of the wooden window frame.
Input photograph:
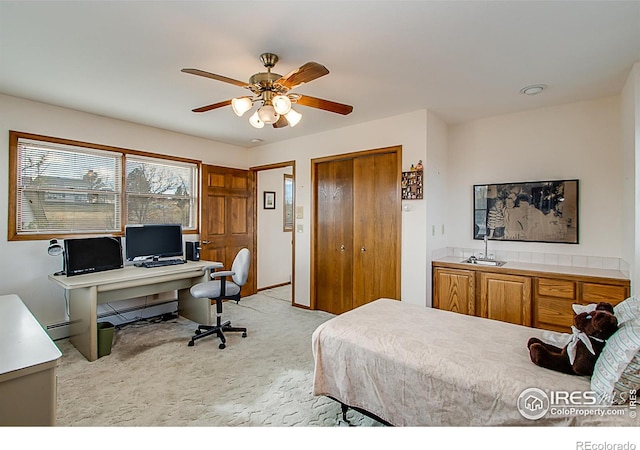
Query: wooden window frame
(14, 136)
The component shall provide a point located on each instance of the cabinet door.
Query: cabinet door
(454, 290)
(334, 236)
(376, 228)
(506, 298)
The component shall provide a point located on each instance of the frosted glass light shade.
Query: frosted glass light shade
(241, 105)
(268, 114)
(255, 120)
(293, 117)
(281, 104)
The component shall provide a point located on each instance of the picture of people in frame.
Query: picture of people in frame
(542, 211)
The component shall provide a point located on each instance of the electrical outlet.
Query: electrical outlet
(299, 228)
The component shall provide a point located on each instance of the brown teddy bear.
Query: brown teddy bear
(591, 329)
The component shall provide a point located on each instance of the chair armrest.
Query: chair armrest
(222, 273)
(213, 267)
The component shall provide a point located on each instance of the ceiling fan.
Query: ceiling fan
(273, 92)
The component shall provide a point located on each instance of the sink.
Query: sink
(484, 262)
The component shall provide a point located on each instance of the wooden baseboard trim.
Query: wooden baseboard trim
(274, 286)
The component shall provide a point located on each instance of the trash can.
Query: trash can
(105, 338)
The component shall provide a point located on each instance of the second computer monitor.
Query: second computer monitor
(153, 241)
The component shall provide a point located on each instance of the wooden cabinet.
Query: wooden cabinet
(356, 248)
(542, 300)
(506, 298)
(455, 290)
(553, 299)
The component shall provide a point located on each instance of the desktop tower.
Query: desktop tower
(193, 250)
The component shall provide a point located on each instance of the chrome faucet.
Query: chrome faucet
(486, 245)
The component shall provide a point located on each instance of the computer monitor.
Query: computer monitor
(89, 255)
(152, 241)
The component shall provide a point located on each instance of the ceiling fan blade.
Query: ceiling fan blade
(212, 106)
(327, 105)
(308, 72)
(282, 122)
(213, 76)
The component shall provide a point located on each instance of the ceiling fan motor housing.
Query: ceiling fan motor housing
(264, 79)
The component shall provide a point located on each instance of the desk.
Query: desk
(86, 292)
(28, 360)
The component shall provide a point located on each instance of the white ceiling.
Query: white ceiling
(462, 60)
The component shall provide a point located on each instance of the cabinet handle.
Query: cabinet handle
(363, 249)
(342, 248)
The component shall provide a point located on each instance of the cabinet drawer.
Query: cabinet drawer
(556, 288)
(592, 292)
(554, 314)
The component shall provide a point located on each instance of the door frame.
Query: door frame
(255, 170)
(397, 149)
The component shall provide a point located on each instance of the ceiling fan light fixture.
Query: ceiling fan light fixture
(255, 121)
(241, 105)
(293, 117)
(268, 114)
(281, 104)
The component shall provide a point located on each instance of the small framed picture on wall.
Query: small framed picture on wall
(269, 200)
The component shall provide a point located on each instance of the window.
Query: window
(64, 188)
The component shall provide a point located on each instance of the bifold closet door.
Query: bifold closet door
(334, 236)
(376, 228)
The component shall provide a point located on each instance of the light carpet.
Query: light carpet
(152, 378)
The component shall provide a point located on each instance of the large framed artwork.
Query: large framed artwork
(537, 211)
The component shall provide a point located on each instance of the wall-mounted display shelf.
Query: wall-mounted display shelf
(412, 185)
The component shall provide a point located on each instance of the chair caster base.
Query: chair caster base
(191, 343)
(244, 334)
(221, 346)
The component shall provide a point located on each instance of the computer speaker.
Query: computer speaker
(193, 250)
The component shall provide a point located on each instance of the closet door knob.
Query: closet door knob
(342, 248)
(363, 249)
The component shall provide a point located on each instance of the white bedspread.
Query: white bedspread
(417, 366)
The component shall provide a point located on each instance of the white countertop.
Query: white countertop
(23, 341)
(545, 268)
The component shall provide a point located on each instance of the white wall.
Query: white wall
(579, 140)
(409, 131)
(274, 244)
(25, 265)
(631, 151)
(436, 228)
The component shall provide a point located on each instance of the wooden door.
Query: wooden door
(333, 251)
(376, 228)
(227, 217)
(454, 290)
(506, 298)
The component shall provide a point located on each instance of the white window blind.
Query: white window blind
(66, 188)
(160, 191)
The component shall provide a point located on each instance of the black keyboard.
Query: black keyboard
(161, 263)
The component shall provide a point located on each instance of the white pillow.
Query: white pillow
(614, 362)
(628, 309)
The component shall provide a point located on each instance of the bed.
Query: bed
(414, 366)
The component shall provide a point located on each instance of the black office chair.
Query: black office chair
(223, 289)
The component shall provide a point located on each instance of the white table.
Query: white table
(86, 292)
(28, 361)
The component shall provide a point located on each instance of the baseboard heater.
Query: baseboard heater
(55, 330)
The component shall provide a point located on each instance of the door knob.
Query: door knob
(363, 249)
(205, 242)
(342, 248)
